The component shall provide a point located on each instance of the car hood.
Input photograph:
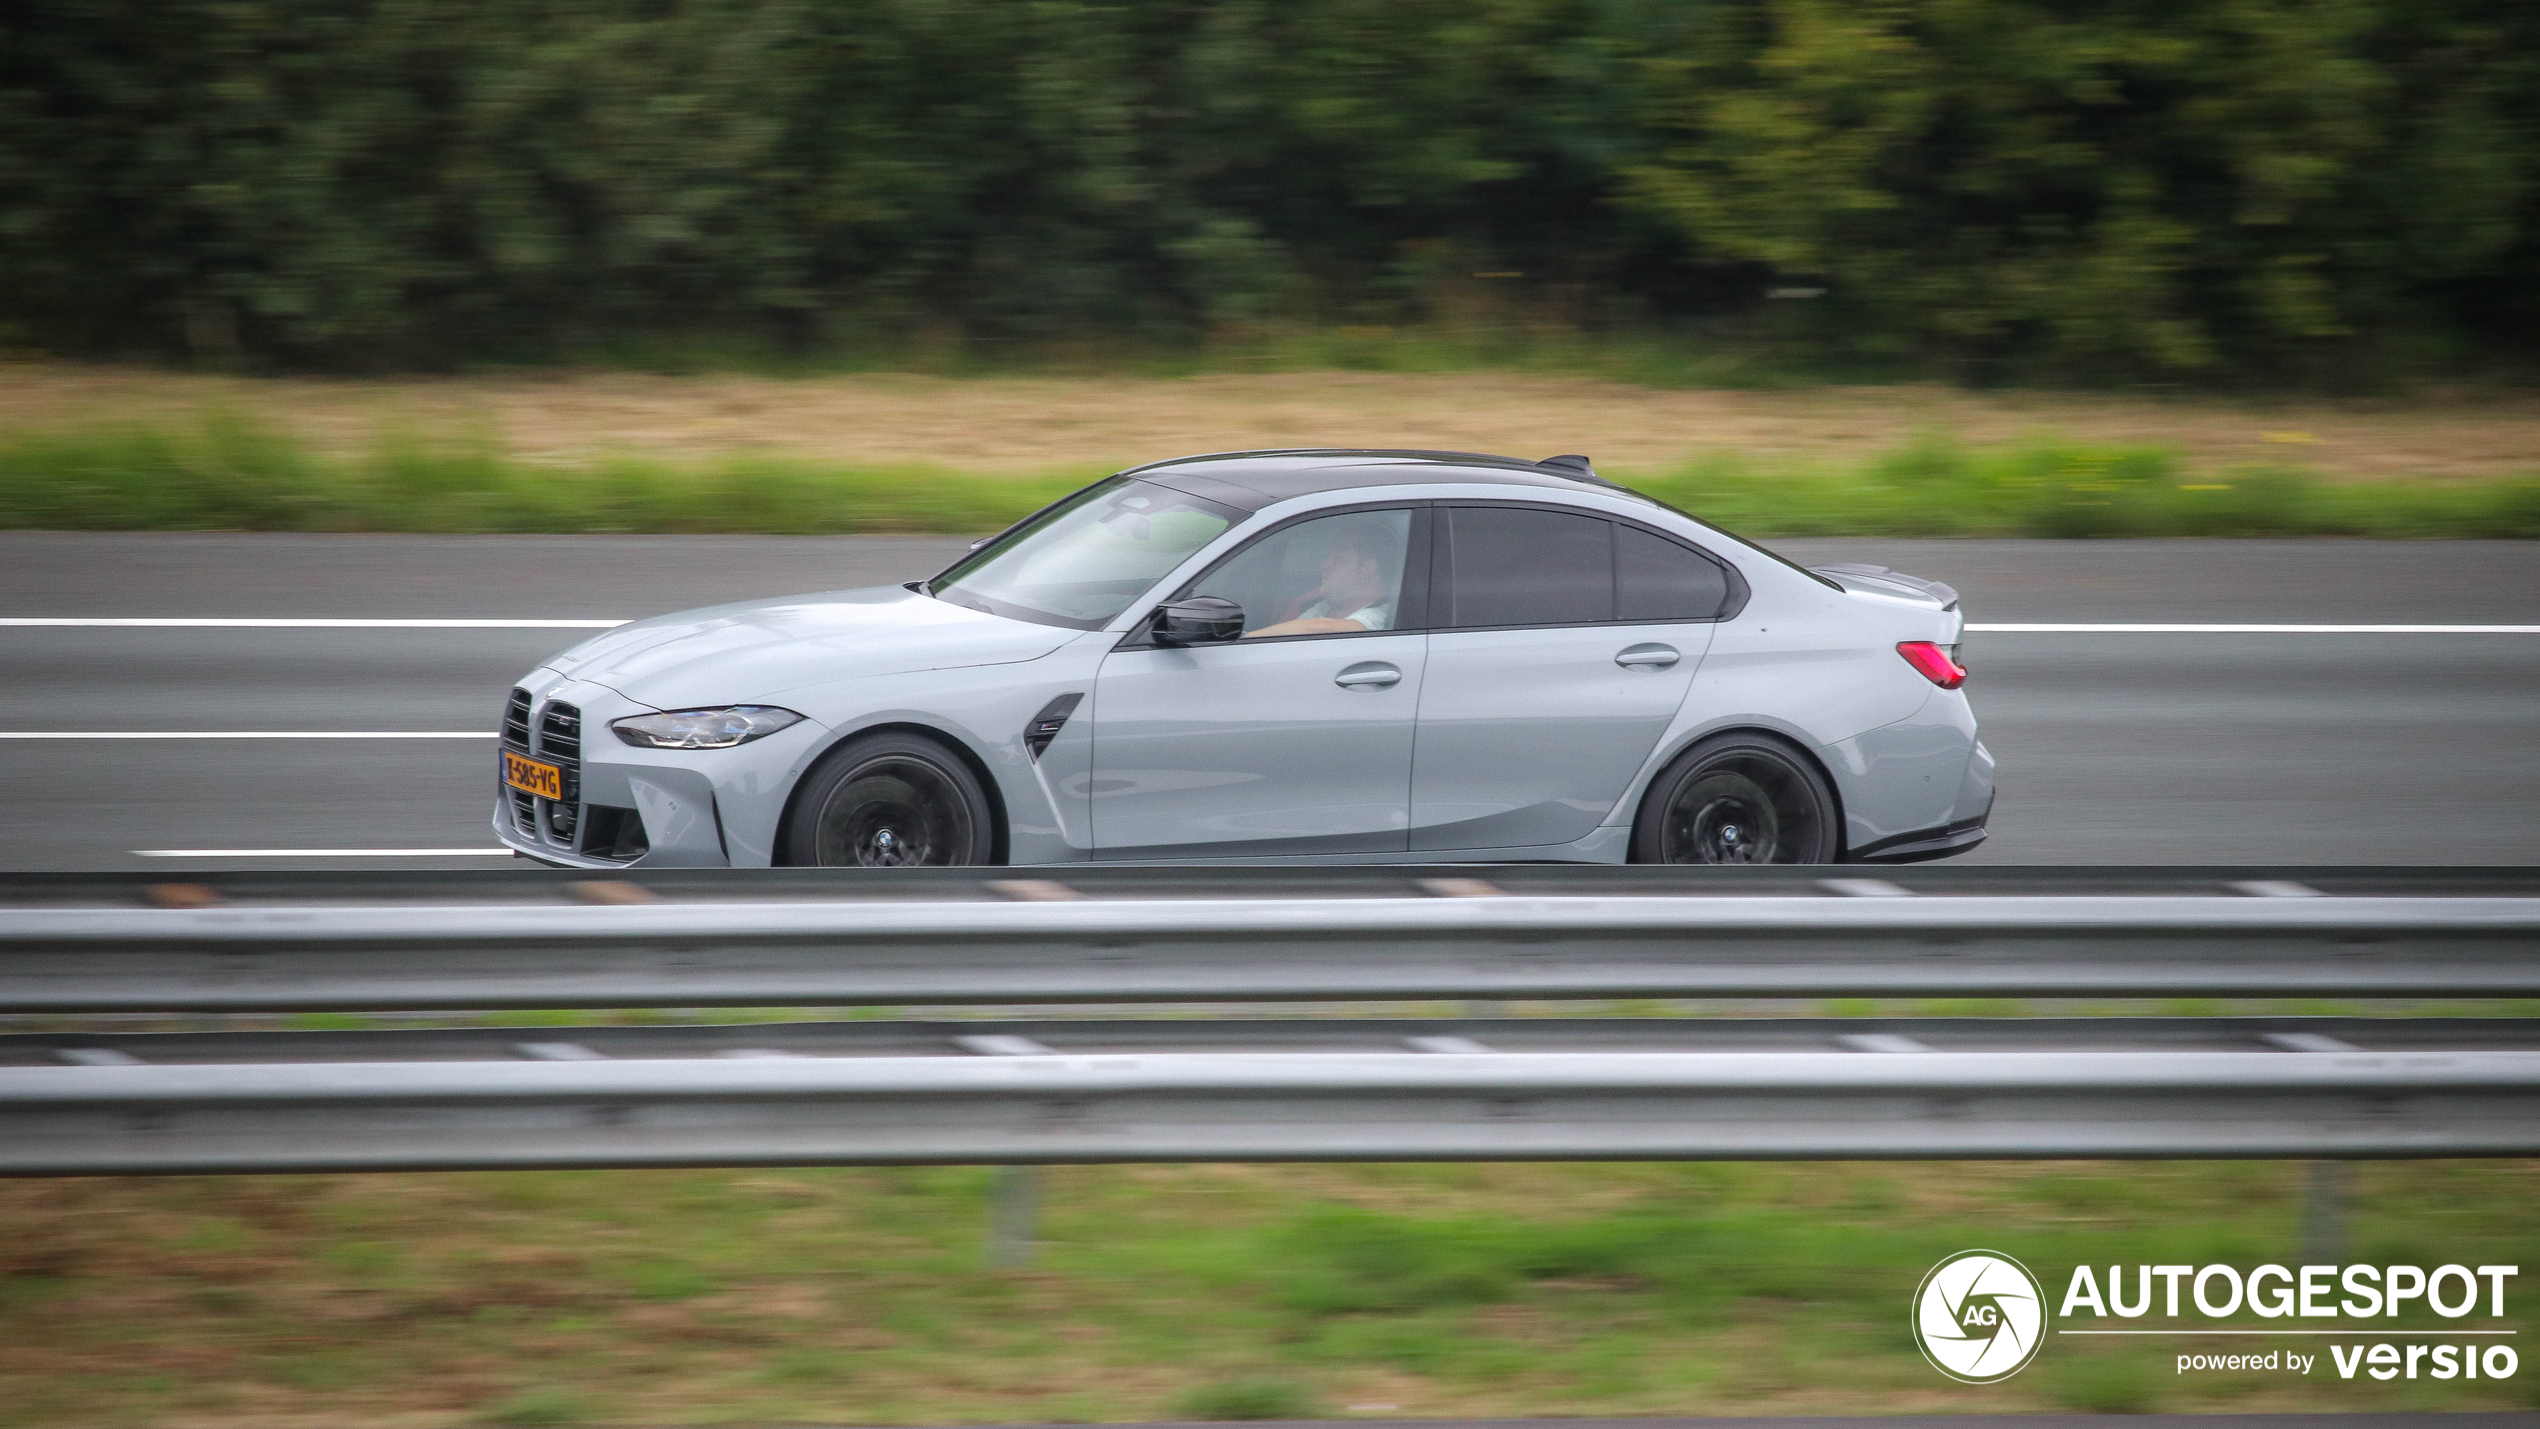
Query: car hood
(756, 649)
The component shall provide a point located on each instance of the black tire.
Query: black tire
(888, 801)
(1737, 798)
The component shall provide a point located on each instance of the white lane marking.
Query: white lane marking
(224, 623)
(2255, 629)
(251, 734)
(323, 852)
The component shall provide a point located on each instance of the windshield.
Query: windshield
(1081, 562)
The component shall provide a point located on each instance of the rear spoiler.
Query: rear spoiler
(1946, 594)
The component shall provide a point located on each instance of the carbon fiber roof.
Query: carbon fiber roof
(1252, 480)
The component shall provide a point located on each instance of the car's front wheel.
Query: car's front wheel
(888, 800)
(1737, 798)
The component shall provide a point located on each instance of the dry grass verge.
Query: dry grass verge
(1042, 424)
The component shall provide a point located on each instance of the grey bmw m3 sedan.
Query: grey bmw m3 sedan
(1278, 656)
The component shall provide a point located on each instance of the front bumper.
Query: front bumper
(508, 833)
(616, 811)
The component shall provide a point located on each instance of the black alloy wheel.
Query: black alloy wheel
(1737, 798)
(888, 801)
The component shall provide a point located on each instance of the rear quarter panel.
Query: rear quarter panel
(1819, 667)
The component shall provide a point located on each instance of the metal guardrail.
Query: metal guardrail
(1324, 1089)
(1051, 1090)
(1119, 950)
(520, 883)
(1286, 1036)
(1226, 1107)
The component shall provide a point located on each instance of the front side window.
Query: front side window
(1082, 561)
(1514, 565)
(1333, 575)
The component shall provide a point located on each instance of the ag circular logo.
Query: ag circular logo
(1979, 1316)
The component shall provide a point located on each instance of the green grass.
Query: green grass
(2099, 1383)
(860, 1296)
(227, 473)
(1248, 1399)
(539, 1407)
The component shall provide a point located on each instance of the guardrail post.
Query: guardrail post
(2326, 1188)
(1014, 1194)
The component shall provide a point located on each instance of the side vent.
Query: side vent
(1046, 725)
(613, 833)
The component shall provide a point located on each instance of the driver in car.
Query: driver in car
(1353, 596)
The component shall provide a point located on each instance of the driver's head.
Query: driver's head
(1352, 562)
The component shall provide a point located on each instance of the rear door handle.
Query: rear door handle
(1646, 657)
(1373, 675)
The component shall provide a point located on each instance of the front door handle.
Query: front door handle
(1372, 675)
(1646, 657)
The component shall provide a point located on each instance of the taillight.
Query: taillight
(1936, 662)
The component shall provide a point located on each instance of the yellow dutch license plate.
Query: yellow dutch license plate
(532, 776)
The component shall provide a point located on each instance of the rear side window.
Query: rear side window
(1656, 579)
(1516, 566)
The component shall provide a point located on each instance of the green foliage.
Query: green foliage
(539, 1407)
(667, 1280)
(2047, 488)
(542, 1017)
(809, 1364)
(1248, 1399)
(2141, 187)
(837, 1295)
(326, 1022)
(2144, 183)
(2102, 1384)
(1346, 1260)
(226, 474)
(1353, 1262)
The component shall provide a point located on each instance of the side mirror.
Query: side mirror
(1200, 620)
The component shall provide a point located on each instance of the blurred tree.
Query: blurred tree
(2136, 186)
(2143, 183)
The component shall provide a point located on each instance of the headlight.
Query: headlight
(703, 729)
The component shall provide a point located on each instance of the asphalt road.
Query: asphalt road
(2150, 748)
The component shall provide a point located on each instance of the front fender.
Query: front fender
(982, 711)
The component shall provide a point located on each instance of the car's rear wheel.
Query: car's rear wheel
(889, 801)
(1737, 798)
